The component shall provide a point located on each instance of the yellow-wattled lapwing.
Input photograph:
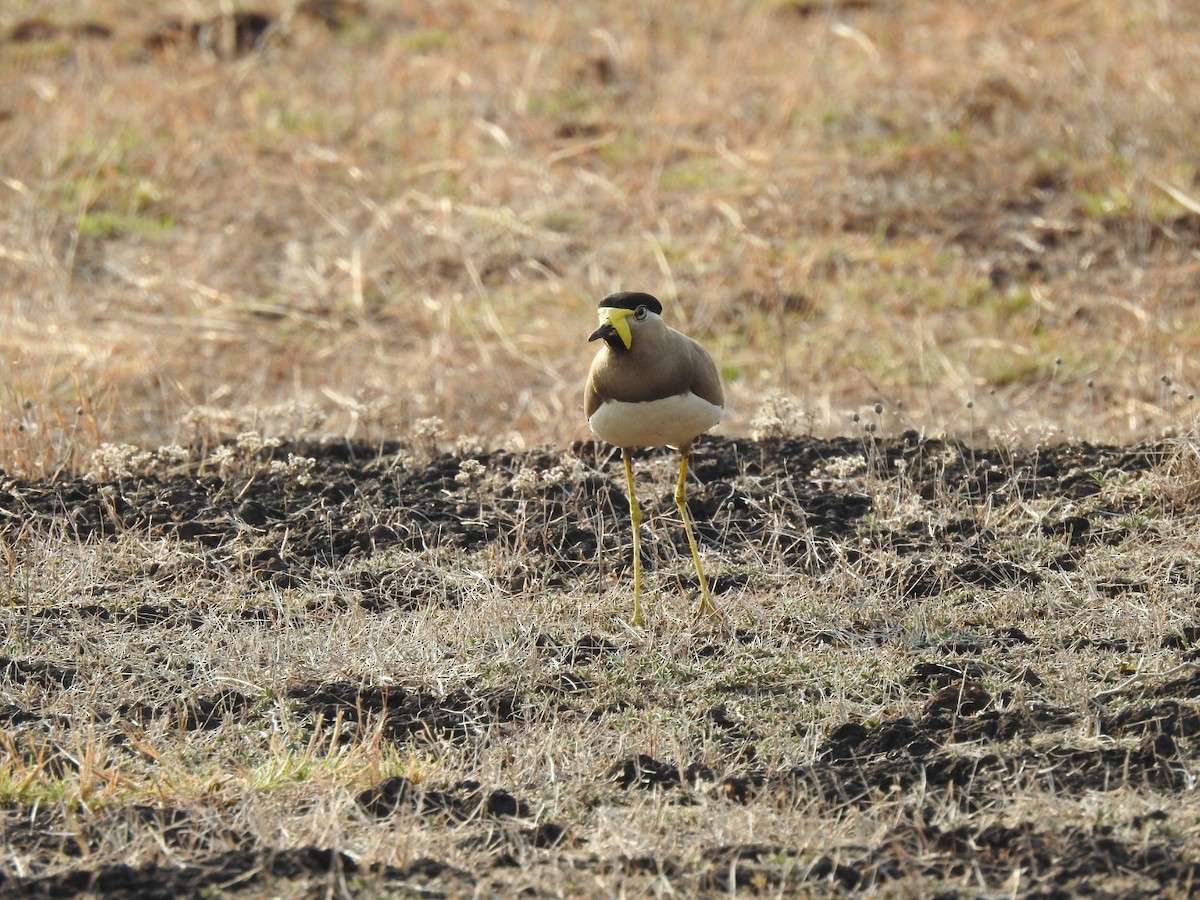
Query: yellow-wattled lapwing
(651, 386)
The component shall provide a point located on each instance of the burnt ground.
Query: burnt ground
(967, 720)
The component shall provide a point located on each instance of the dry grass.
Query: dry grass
(879, 215)
(172, 684)
(414, 216)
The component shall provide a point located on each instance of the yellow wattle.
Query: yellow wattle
(616, 318)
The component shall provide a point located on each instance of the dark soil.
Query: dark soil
(359, 503)
(968, 744)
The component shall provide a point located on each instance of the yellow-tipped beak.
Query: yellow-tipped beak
(613, 319)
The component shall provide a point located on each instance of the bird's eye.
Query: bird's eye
(639, 313)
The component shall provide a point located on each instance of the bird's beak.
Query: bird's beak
(613, 321)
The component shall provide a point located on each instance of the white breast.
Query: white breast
(671, 421)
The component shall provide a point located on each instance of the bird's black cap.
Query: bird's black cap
(632, 300)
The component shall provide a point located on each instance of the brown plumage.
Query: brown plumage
(661, 363)
(650, 385)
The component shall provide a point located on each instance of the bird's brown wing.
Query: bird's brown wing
(706, 382)
(591, 396)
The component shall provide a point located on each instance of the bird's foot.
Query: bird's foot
(708, 611)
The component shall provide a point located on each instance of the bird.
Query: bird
(651, 386)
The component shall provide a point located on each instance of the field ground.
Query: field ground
(938, 669)
(312, 585)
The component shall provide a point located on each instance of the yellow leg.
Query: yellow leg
(635, 515)
(707, 607)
